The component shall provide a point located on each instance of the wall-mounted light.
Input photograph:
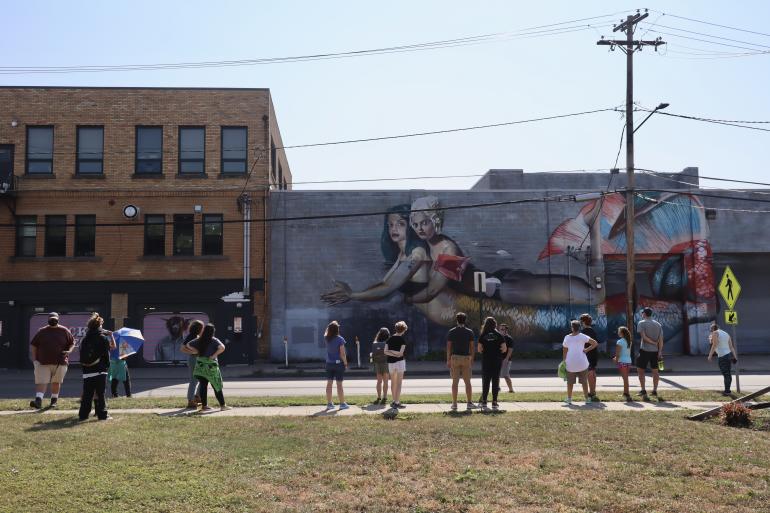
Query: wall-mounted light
(130, 211)
(198, 209)
(14, 123)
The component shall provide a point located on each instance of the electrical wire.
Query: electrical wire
(714, 121)
(703, 207)
(701, 177)
(530, 32)
(714, 24)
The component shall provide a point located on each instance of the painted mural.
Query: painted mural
(428, 271)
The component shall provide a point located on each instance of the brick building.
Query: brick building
(131, 202)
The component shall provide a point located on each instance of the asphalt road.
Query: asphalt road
(155, 387)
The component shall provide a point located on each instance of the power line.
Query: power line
(702, 177)
(714, 121)
(702, 207)
(715, 24)
(530, 32)
(713, 36)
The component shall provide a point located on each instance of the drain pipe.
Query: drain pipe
(245, 201)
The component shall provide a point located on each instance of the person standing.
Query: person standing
(336, 363)
(118, 372)
(193, 398)
(574, 351)
(722, 344)
(505, 367)
(492, 348)
(380, 362)
(95, 362)
(50, 349)
(395, 347)
(651, 351)
(207, 348)
(623, 358)
(459, 359)
(593, 355)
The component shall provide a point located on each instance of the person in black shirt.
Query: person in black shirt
(592, 355)
(394, 349)
(95, 360)
(492, 348)
(459, 358)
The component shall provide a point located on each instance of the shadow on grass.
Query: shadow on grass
(664, 404)
(325, 413)
(65, 423)
(458, 414)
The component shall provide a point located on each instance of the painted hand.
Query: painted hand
(340, 294)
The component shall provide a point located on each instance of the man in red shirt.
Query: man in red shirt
(50, 349)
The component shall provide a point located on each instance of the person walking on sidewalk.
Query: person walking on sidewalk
(651, 351)
(722, 344)
(208, 348)
(459, 359)
(395, 348)
(380, 362)
(505, 368)
(336, 363)
(95, 362)
(493, 349)
(623, 358)
(193, 398)
(574, 351)
(593, 355)
(50, 349)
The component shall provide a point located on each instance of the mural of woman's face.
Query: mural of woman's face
(423, 225)
(397, 227)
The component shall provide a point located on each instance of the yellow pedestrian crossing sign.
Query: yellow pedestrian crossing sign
(729, 288)
(731, 317)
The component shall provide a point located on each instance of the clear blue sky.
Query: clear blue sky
(430, 90)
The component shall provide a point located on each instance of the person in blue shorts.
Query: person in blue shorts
(336, 363)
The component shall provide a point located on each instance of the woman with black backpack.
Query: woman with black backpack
(95, 362)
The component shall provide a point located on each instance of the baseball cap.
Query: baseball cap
(53, 315)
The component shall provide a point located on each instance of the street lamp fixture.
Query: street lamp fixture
(660, 106)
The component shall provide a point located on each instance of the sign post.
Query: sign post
(730, 289)
(480, 284)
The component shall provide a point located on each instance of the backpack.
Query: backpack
(92, 348)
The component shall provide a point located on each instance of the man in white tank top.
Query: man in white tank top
(722, 344)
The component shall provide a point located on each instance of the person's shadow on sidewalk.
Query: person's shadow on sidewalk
(184, 412)
(65, 423)
(325, 413)
(374, 407)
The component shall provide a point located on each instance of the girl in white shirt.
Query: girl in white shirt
(574, 351)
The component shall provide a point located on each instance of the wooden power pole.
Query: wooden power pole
(629, 46)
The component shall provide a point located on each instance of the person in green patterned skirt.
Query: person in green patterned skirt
(208, 347)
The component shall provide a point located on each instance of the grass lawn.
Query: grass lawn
(309, 400)
(533, 461)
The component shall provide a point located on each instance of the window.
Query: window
(85, 236)
(212, 234)
(280, 177)
(55, 236)
(183, 234)
(192, 150)
(149, 150)
(39, 150)
(26, 235)
(234, 144)
(90, 150)
(272, 160)
(155, 234)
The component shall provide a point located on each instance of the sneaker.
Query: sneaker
(471, 406)
(393, 404)
(727, 393)
(595, 398)
(206, 408)
(568, 400)
(642, 392)
(329, 406)
(54, 400)
(646, 398)
(400, 406)
(453, 408)
(377, 401)
(36, 403)
(654, 393)
(344, 406)
(495, 406)
(588, 401)
(627, 398)
(191, 405)
(224, 407)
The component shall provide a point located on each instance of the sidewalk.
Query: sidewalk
(521, 367)
(320, 411)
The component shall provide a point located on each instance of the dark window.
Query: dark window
(149, 150)
(90, 150)
(85, 236)
(155, 234)
(26, 235)
(55, 236)
(280, 177)
(39, 150)
(272, 160)
(183, 234)
(234, 144)
(212, 234)
(192, 149)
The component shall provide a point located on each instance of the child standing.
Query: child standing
(119, 372)
(380, 361)
(623, 358)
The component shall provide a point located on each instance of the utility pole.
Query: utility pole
(629, 46)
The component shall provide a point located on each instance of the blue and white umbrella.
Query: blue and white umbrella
(128, 341)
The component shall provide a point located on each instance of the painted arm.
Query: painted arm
(437, 281)
(401, 272)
